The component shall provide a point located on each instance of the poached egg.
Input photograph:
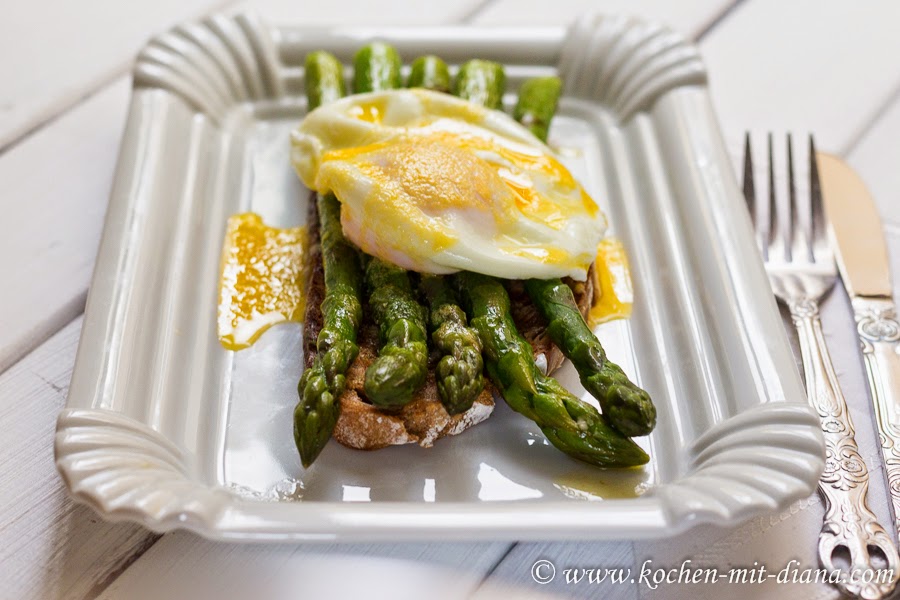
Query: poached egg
(436, 184)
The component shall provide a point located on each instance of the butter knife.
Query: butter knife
(858, 241)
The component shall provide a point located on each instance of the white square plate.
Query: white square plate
(165, 427)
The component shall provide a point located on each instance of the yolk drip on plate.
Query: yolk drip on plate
(262, 279)
(613, 294)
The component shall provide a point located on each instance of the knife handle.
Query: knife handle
(879, 336)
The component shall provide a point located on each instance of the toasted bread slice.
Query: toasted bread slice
(424, 420)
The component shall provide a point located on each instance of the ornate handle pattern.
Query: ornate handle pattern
(879, 336)
(849, 523)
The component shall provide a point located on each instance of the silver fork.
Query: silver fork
(791, 233)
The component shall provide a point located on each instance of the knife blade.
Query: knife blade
(855, 228)
(857, 238)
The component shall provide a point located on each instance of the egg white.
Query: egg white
(437, 184)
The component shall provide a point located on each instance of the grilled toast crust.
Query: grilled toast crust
(424, 420)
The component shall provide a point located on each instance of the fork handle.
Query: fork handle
(849, 522)
(879, 337)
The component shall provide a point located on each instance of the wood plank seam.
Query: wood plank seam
(475, 11)
(54, 116)
(123, 565)
(499, 561)
(870, 122)
(716, 19)
(54, 112)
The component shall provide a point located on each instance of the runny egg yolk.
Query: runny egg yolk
(262, 279)
(370, 113)
(613, 295)
(436, 184)
(442, 170)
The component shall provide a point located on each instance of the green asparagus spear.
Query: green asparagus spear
(537, 103)
(402, 363)
(459, 372)
(482, 82)
(429, 72)
(571, 425)
(627, 407)
(322, 383)
(324, 78)
(376, 67)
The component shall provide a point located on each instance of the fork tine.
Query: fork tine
(793, 216)
(820, 249)
(749, 189)
(779, 248)
(800, 217)
(750, 195)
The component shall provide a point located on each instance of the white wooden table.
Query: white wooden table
(829, 66)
